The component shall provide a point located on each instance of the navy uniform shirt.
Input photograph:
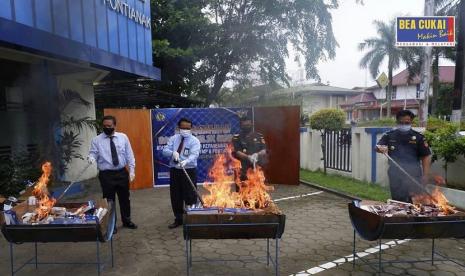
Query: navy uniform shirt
(248, 144)
(405, 147)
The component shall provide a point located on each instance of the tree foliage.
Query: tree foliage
(180, 34)
(446, 143)
(328, 119)
(200, 45)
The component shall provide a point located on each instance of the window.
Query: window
(394, 93)
(418, 91)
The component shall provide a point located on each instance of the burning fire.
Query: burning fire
(253, 193)
(45, 203)
(436, 198)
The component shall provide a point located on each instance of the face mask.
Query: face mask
(185, 132)
(246, 129)
(404, 128)
(108, 130)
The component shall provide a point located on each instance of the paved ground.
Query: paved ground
(318, 231)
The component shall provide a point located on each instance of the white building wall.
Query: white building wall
(82, 83)
(313, 103)
(310, 146)
(409, 91)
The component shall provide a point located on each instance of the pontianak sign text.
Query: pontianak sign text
(129, 11)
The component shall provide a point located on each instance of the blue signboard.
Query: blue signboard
(425, 31)
(113, 34)
(214, 127)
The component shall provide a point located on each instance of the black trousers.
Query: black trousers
(181, 191)
(117, 183)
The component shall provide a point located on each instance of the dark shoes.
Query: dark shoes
(174, 224)
(130, 225)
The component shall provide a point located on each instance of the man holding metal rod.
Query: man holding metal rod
(409, 158)
(248, 147)
(183, 149)
(112, 152)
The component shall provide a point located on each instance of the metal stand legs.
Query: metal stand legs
(378, 266)
(34, 260)
(274, 261)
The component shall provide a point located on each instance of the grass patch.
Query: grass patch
(346, 185)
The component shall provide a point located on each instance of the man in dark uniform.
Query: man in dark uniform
(407, 147)
(248, 147)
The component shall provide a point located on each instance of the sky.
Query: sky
(352, 23)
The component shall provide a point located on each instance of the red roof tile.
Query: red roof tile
(446, 75)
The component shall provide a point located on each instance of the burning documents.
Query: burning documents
(42, 210)
(424, 205)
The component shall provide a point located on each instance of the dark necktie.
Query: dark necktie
(114, 154)
(180, 145)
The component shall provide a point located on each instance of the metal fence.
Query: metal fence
(338, 150)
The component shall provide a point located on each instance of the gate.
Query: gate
(337, 150)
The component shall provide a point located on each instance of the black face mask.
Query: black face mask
(108, 130)
(246, 129)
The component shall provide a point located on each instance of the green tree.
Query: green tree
(181, 33)
(442, 8)
(382, 47)
(201, 44)
(446, 143)
(257, 34)
(328, 119)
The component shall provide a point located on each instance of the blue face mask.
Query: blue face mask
(404, 128)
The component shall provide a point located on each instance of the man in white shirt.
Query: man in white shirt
(112, 151)
(183, 149)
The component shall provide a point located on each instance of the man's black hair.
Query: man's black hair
(109, 117)
(403, 113)
(184, 120)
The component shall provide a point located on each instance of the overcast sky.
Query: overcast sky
(352, 23)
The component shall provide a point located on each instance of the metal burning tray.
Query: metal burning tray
(101, 230)
(234, 226)
(371, 226)
(208, 223)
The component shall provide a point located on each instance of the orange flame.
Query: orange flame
(253, 193)
(41, 193)
(436, 198)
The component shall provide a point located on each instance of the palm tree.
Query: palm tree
(442, 8)
(382, 47)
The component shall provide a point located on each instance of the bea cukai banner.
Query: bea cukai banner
(425, 31)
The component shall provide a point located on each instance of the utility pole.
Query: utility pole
(457, 95)
(426, 70)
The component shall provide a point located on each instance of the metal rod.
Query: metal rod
(379, 258)
(406, 173)
(267, 252)
(432, 253)
(71, 184)
(111, 252)
(11, 259)
(98, 257)
(187, 256)
(193, 185)
(353, 252)
(190, 252)
(277, 257)
(35, 247)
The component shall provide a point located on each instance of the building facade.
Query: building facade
(51, 54)
(406, 94)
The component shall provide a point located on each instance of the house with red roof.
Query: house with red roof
(406, 94)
